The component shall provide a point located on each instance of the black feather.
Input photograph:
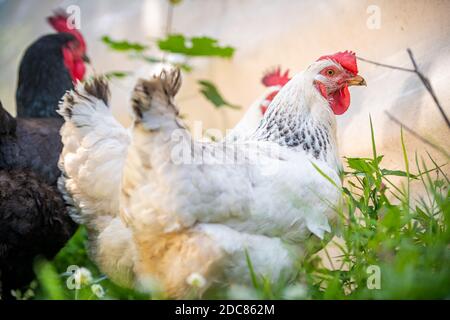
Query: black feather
(33, 221)
(98, 87)
(43, 77)
(35, 145)
(33, 217)
(7, 122)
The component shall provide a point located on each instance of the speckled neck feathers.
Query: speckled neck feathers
(300, 119)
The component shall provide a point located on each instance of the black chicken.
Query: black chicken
(33, 218)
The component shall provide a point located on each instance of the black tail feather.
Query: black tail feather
(98, 87)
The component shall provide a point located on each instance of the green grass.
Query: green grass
(380, 228)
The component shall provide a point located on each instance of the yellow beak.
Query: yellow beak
(356, 81)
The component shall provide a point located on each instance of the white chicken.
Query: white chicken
(111, 244)
(201, 208)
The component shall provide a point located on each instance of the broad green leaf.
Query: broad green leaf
(360, 164)
(196, 46)
(211, 93)
(123, 45)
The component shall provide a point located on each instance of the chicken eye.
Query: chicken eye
(330, 72)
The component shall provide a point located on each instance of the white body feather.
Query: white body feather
(95, 148)
(181, 218)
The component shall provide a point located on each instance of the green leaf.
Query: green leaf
(150, 59)
(211, 93)
(117, 74)
(439, 183)
(398, 173)
(123, 45)
(360, 164)
(372, 137)
(183, 66)
(253, 275)
(49, 279)
(323, 174)
(196, 46)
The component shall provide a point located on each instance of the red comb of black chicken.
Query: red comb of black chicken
(59, 21)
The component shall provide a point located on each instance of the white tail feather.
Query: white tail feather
(94, 150)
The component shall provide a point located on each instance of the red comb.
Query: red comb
(275, 78)
(346, 59)
(59, 22)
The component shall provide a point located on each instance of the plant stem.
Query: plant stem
(426, 82)
(408, 182)
(385, 65)
(169, 19)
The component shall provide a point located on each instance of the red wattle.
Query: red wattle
(322, 90)
(68, 61)
(340, 101)
(79, 70)
(76, 68)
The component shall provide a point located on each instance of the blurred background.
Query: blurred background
(267, 33)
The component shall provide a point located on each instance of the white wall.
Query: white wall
(268, 33)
